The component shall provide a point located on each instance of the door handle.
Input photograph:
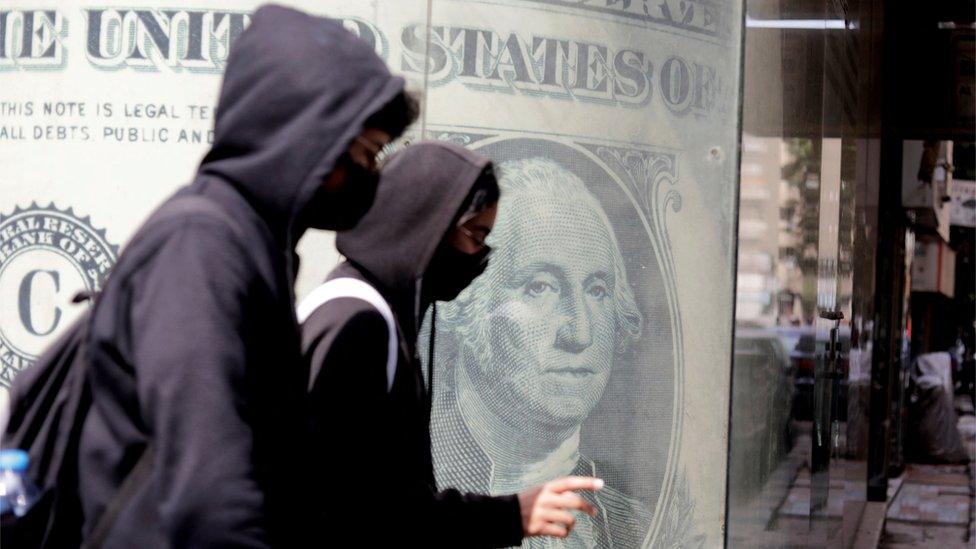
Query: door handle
(831, 346)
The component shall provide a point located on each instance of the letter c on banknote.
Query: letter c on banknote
(24, 301)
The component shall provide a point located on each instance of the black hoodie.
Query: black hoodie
(372, 447)
(196, 349)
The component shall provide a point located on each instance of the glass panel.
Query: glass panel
(800, 477)
(847, 268)
(597, 342)
(781, 217)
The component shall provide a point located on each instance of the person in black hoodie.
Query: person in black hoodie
(422, 241)
(196, 358)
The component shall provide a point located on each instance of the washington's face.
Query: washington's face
(550, 324)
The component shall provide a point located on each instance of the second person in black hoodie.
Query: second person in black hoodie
(422, 241)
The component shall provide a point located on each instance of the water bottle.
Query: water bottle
(17, 491)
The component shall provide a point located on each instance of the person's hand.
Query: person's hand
(547, 509)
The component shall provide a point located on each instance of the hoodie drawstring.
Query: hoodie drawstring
(430, 357)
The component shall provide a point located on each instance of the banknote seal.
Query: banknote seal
(47, 255)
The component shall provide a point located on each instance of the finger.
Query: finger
(573, 501)
(575, 483)
(555, 516)
(555, 530)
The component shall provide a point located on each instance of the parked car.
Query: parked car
(763, 394)
(806, 358)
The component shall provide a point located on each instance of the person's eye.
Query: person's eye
(599, 291)
(538, 287)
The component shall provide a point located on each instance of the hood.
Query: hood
(420, 194)
(296, 92)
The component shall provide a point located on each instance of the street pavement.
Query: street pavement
(934, 506)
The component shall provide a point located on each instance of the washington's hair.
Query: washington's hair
(540, 176)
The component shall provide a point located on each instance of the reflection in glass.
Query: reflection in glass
(805, 272)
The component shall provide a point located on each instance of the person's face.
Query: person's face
(551, 318)
(460, 258)
(348, 191)
(470, 236)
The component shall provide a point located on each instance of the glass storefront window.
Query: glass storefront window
(798, 471)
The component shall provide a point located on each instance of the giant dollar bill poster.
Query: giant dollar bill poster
(597, 342)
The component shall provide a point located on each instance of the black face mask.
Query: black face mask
(344, 208)
(451, 271)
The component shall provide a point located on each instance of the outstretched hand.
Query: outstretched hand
(547, 510)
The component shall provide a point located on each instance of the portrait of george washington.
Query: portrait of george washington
(530, 347)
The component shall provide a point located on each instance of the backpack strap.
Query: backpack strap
(132, 483)
(356, 289)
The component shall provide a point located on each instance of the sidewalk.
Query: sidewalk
(934, 505)
(928, 505)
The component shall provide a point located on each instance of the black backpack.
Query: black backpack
(48, 406)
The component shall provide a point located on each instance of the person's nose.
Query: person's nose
(575, 334)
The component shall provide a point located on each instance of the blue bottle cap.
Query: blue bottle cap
(14, 460)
